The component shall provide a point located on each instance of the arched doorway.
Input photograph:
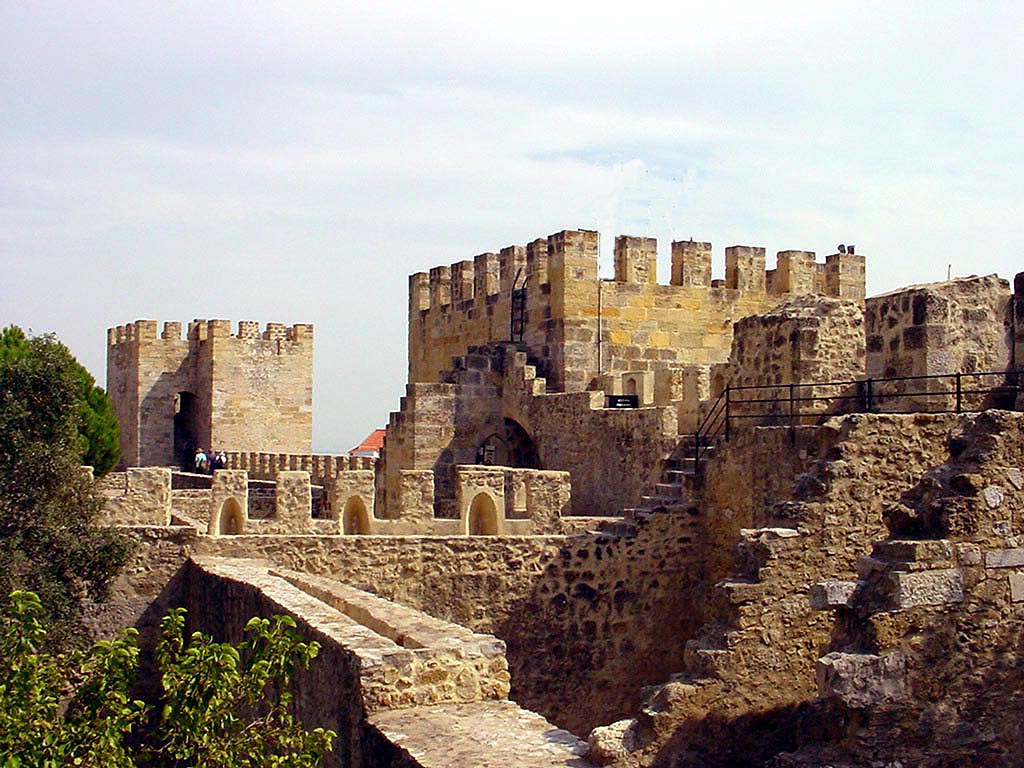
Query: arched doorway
(510, 446)
(185, 429)
(230, 519)
(355, 519)
(482, 519)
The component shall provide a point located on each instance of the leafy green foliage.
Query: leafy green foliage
(98, 433)
(227, 707)
(34, 683)
(223, 707)
(48, 541)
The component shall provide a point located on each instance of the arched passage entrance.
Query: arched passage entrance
(185, 429)
(355, 519)
(482, 519)
(510, 446)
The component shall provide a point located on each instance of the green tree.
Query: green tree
(227, 707)
(222, 706)
(98, 443)
(49, 542)
(34, 684)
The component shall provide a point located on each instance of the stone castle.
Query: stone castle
(171, 395)
(762, 520)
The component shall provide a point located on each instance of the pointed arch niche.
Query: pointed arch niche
(355, 518)
(482, 518)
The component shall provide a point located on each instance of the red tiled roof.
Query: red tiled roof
(374, 442)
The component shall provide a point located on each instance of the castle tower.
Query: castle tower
(250, 391)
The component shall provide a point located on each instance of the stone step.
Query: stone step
(649, 503)
(670, 490)
(617, 527)
(685, 462)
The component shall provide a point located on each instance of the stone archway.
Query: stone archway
(230, 518)
(509, 446)
(185, 429)
(482, 518)
(355, 519)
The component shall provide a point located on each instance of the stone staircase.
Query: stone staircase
(675, 488)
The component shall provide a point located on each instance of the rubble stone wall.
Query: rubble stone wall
(924, 666)
(962, 324)
(804, 340)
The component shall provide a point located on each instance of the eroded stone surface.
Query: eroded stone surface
(482, 735)
(862, 680)
(928, 587)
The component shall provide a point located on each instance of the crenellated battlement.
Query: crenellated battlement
(146, 331)
(210, 384)
(636, 261)
(584, 326)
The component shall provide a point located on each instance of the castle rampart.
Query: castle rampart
(252, 390)
(582, 327)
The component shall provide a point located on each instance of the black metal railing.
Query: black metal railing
(801, 403)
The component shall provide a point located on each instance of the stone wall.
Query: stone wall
(962, 325)
(321, 467)
(581, 327)
(924, 665)
(524, 502)
(139, 496)
(780, 511)
(802, 341)
(716, 597)
(249, 391)
(495, 396)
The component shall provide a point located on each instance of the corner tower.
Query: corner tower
(248, 391)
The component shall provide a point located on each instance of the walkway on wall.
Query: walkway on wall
(811, 402)
(435, 692)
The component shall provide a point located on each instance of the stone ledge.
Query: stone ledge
(827, 595)
(861, 680)
(931, 551)
(491, 734)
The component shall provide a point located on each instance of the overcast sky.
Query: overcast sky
(294, 162)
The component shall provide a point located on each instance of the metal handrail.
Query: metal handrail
(729, 407)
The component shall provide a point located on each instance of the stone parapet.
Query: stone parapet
(320, 466)
(144, 497)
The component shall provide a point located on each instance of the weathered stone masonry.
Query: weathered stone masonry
(252, 390)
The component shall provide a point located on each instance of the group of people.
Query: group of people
(206, 464)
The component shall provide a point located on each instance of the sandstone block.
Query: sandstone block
(861, 680)
(826, 595)
(1017, 587)
(1004, 558)
(936, 587)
